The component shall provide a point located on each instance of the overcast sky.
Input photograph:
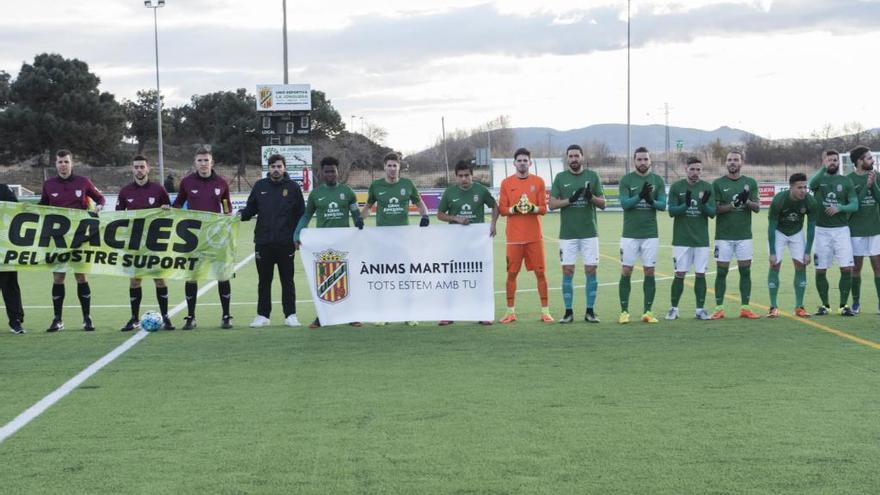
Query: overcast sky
(776, 68)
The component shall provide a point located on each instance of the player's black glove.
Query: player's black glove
(359, 223)
(645, 193)
(588, 193)
(575, 196)
(704, 197)
(424, 222)
(741, 198)
(687, 198)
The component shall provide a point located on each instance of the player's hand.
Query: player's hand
(297, 244)
(359, 223)
(98, 208)
(872, 178)
(576, 195)
(807, 259)
(462, 220)
(424, 221)
(646, 193)
(704, 197)
(588, 193)
(687, 198)
(492, 230)
(773, 260)
(165, 207)
(831, 211)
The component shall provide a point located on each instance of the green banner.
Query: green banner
(151, 243)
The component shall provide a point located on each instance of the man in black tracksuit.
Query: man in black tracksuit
(277, 202)
(9, 281)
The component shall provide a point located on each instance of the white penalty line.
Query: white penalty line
(48, 401)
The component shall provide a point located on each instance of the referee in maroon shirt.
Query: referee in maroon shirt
(142, 194)
(70, 191)
(204, 190)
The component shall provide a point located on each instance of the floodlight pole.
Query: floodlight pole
(159, 5)
(628, 130)
(284, 9)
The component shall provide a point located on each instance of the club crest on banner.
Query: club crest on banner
(331, 275)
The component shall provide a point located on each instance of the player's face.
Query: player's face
(522, 164)
(392, 169)
(575, 160)
(64, 166)
(140, 170)
(276, 170)
(799, 190)
(832, 163)
(204, 164)
(643, 162)
(330, 174)
(734, 163)
(867, 162)
(465, 178)
(693, 172)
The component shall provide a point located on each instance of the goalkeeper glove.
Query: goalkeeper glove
(645, 193)
(575, 196)
(741, 198)
(425, 221)
(588, 194)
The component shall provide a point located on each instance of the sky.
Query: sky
(780, 69)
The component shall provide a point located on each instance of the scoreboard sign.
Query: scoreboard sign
(284, 98)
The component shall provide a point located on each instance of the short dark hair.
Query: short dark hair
(276, 157)
(858, 153)
(797, 177)
(737, 151)
(464, 165)
(831, 152)
(139, 158)
(62, 153)
(522, 151)
(329, 161)
(204, 151)
(574, 147)
(640, 149)
(393, 156)
(692, 160)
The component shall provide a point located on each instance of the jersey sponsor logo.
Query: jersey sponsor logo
(331, 275)
(466, 208)
(333, 205)
(393, 201)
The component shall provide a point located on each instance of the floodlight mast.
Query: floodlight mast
(158, 5)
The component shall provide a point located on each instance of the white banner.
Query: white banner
(284, 98)
(441, 272)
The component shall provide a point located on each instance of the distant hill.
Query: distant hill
(614, 136)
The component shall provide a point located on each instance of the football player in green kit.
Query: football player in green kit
(578, 192)
(864, 224)
(691, 205)
(332, 204)
(736, 198)
(642, 195)
(837, 200)
(465, 204)
(786, 229)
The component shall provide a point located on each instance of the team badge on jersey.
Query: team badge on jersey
(216, 191)
(476, 197)
(284, 193)
(331, 275)
(402, 191)
(151, 200)
(341, 195)
(839, 188)
(532, 188)
(78, 193)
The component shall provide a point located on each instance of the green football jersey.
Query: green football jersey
(331, 206)
(640, 222)
(578, 220)
(392, 201)
(833, 190)
(866, 221)
(789, 214)
(468, 203)
(692, 228)
(735, 225)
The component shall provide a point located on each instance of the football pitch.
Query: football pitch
(730, 406)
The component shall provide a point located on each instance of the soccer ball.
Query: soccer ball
(151, 321)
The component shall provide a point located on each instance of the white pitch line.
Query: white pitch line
(48, 401)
